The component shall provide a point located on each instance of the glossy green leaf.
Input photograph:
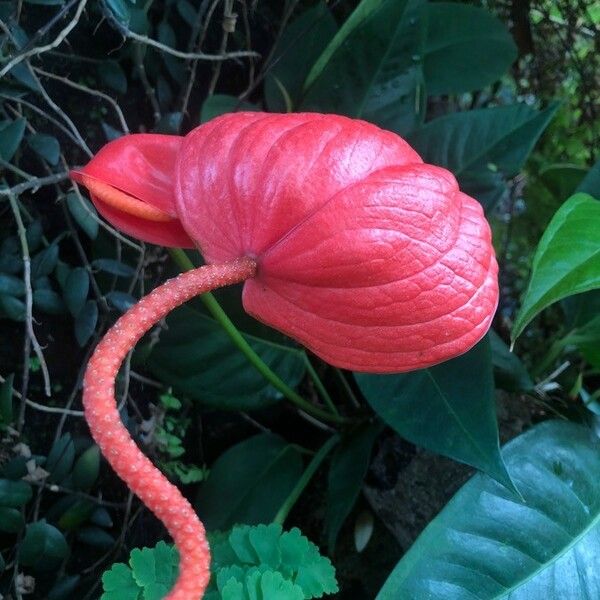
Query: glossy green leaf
(48, 301)
(372, 68)
(586, 304)
(84, 213)
(11, 520)
(219, 104)
(12, 307)
(86, 469)
(44, 262)
(567, 259)
(60, 459)
(449, 408)
(249, 482)
(6, 400)
(34, 235)
(101, 517)
(122, 301)
(70, 512)
(482, 146)
(85, 323)
(300, 45)
(490, 545)
(11, 134)
(197, 358)
(96, 537)
(114, 267)
(11, 285)
(43, 547)
(76, 290)
(510, 373)
(467, 48)
(590, 184)
(22, 74)
(349, 465)
(46, 146)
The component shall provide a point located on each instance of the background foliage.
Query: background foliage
(502, 92)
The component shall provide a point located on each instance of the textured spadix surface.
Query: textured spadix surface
(374, 260)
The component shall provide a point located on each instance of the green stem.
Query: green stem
(210, 302)
(314, 464)
(319, 385)
(347, 387)
(553, 353)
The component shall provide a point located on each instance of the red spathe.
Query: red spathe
(370, 258)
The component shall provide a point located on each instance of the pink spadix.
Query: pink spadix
(347, 242)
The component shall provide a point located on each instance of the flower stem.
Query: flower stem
(319, 385)
(210, 302)
(314, 464)
(109, 432)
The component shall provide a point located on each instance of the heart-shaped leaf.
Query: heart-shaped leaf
(567, 259)
(489, 544)
(372, 68)
(449, 408)
(483, 146)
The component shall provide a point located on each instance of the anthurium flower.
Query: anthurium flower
(345, 239)
(374, 260)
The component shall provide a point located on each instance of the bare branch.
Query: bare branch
(60, 38)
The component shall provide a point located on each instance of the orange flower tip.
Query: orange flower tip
(119, 200)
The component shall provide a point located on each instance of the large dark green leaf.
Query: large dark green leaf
(490, 545)
(349, 466)
(483, 146)
(510, 373)
(449, 408)
(467, 48)
(567, 259)
(196, 357)
(249, 482)
(219, 104)
(298, 48)
(372, 68)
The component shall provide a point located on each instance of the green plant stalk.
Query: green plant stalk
(210, 302)
(552, 354)
(314, 464)
(319, 385)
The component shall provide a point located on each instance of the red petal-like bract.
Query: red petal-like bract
(142, 166)
(370, 258)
